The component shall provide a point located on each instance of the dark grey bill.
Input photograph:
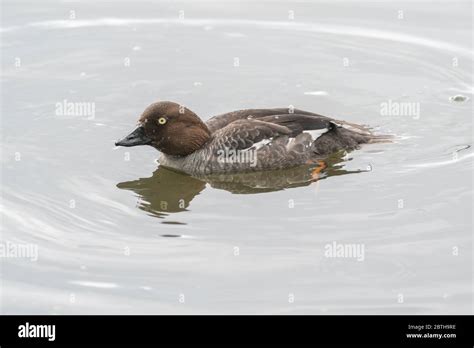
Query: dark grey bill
(137, 137)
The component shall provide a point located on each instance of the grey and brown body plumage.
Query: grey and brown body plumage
(245, 140)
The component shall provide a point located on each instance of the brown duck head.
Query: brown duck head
(170, 128)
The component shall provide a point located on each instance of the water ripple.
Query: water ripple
(277, 25)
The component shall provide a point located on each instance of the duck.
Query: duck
(248, 140)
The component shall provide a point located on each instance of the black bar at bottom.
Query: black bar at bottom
(424, 330)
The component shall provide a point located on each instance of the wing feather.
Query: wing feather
(243, 134)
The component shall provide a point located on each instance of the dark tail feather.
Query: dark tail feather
(366, 134)
(340, 138)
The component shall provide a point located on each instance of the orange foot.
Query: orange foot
(316, 171)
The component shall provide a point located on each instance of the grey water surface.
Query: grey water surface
(114, 233)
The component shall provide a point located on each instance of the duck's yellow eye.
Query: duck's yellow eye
(162, 120)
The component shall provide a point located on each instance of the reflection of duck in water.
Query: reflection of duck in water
(164, 192)
(243, 141)
(168, 191)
